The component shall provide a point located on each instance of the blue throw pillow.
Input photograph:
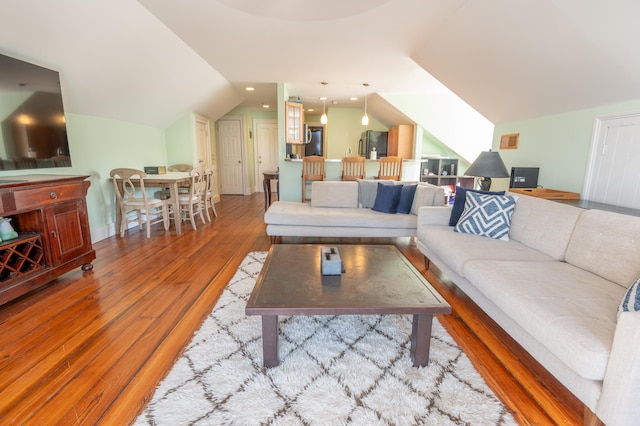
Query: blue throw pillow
(631, 300)
(460, 201)
(487, 215)
(387, 198)
(406, 198)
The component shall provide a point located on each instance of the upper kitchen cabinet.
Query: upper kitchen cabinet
(295, 122)
(401, 141)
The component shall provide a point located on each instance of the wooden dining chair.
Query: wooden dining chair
(180, 168)
(390, 168)
(129, 199)
(312, 170)
(165, 193)
(208, 201)
(353, 168)
(190, 204)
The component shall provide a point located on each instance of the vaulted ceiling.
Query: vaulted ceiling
(151, 61)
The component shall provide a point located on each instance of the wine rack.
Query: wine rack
(21, 257)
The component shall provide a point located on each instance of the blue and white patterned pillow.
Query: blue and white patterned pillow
(631, 300)
(487, 215)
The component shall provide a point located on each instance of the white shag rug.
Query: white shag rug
(334, 370)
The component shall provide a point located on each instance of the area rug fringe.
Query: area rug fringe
(334, 370)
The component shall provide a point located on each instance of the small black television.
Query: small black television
(524, 177)
(33, 131)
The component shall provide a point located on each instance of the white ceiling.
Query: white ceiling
(151, 61)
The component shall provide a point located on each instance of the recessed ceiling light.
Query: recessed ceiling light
(249, 89)
(265, 105)
(353, 98)
(309, 109)
(323, 98)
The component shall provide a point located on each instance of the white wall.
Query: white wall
(448, 118)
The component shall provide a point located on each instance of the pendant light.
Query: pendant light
(323, 118)
(365, 117)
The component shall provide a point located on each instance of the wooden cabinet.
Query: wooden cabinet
(443, 171)
(49, 212)
(294, 115)
(400, 141)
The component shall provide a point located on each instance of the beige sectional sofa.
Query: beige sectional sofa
(343, 209)
(555, 287)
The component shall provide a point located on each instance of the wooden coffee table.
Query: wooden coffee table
(377, 280)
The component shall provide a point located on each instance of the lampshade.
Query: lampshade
(488, 165)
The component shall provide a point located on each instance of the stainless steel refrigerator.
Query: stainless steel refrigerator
(371, 139)
(314, 137)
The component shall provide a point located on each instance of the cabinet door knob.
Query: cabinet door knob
(54, 234)
(53, 195)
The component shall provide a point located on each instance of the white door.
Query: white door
(613, 175)
(266, 145)
(230, 156)
(203, 141)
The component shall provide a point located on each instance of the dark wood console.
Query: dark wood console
(49, 212)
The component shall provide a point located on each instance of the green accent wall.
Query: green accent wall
(179, 140)
(344, 127)
(558, 144)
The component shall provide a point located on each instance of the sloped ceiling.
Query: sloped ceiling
(115, 60)
(151, 61)
(512, 59)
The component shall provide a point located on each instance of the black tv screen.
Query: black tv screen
(524, 177)
(33, 131)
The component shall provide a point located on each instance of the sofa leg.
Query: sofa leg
(427, 263)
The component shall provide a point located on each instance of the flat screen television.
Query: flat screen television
(33, 131)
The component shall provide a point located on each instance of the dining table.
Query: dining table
(172, 180)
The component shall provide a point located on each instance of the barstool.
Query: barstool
(390, 168)
(352, 168)
(312, 169)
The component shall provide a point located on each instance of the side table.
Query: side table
(266, 184)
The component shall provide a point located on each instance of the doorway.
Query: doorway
(231, 154)
(613, 175)
(266, 146)
(203, 141)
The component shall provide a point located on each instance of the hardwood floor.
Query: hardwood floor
(91, 347)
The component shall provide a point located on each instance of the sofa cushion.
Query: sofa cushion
(334, 194)
(631, 300)
(543, 224)
(427, 195)
(458, 249)
(294, 214)
(607, 244)
(568, 310)
(368, 190)
(387, 198)
(406, 198)
(487, 215)
(460, 200)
